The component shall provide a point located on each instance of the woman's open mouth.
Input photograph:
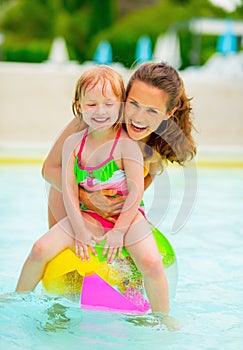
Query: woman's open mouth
(137, 127)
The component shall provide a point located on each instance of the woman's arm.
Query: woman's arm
(52, 166)
(103, 202)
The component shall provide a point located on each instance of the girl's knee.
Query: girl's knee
(152, 265)
(39, 251)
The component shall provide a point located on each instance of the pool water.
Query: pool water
(209, 296)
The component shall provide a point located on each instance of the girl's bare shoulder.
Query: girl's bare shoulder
(125, 136)
(128, 145)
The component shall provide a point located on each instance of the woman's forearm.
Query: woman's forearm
(85, 199)
(52, 166)
(53, 175)
(70, 187)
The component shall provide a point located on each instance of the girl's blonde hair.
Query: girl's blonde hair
(91, 78)
(173, 139)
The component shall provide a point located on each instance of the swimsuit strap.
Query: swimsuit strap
(112, 149)
(82, 145)
(115, 142)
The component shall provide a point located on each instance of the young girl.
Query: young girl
(152, 88)
(102, 156)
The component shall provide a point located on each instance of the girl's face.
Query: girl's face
(145, 109)
(100, 106)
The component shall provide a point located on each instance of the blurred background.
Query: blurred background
(46, 44)
(44, 47)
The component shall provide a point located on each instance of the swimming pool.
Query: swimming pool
(208, 300)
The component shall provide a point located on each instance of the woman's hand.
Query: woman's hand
(83, 245)
(103, 203)
(114, 243)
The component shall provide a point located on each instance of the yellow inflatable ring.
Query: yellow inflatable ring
(68, 274)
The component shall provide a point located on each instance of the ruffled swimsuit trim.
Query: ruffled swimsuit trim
(103, 171)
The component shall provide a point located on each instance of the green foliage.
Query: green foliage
(32, 25)
(75, 32)
(151, 21)
(77, 21)
(26, 19)
(34, 51)
(156, 20)
(103, 14)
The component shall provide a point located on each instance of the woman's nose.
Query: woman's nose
(140, 114)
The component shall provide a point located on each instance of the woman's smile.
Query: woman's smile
(145, 109)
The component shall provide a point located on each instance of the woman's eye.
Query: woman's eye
(134, 104)
(152, 111)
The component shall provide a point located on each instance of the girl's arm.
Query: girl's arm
(82, 236)
(52, 173)
(52, 166)
(133, 165)
(132, 159)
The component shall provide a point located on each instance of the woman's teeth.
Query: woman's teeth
(137, 126)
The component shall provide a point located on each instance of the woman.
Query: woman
(157, 114)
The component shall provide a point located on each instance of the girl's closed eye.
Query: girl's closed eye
(109, 104)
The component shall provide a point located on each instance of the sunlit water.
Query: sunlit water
(209, 295)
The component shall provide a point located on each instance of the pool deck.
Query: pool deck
(207, 156)
(35, 105)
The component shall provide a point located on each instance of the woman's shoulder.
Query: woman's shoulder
(155, 163)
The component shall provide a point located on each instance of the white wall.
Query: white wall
(35, 104)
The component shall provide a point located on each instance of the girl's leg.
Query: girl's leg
(44, 249)
(58, 238)
(141, 244)
(56, 208)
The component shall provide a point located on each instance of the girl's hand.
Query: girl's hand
(83, 245)
(103, 203)
(114, 243)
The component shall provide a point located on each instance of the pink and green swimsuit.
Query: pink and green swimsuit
(106, 175)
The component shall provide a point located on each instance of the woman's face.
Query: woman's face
(145, 109)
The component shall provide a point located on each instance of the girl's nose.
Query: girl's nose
(101, 108)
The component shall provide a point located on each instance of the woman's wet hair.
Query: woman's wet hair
(173, 139)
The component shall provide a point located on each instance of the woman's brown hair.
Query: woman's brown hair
(173, 139)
